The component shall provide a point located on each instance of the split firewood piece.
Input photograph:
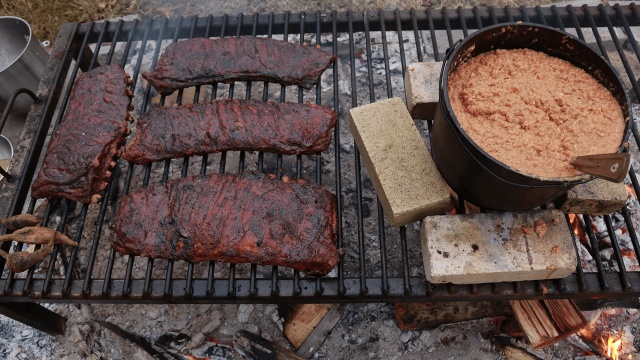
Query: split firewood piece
(309, 325)
(38, 235)
(20, 221)
(304, 318)
(546, 322)
(20, 261)
(566, 315)
(535, 322)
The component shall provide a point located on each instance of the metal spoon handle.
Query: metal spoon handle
(612, 167)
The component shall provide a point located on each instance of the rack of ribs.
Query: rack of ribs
(207, 61)
(234, 218)
(229, 124)
(83, 150)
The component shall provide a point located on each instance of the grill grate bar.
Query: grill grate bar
(632, 234)
(336, 148)
(476, 16)
(624, 277)
(507, 11)
(621, 54)
(296, 273)
(416, 33)
(318, 288)
(432, 31)
(147, 168)
(630, 228)
(358, 166)
(493, 16)
(130, 258)
(595, 249)
(574, 20)
(379, 210)
(463, 22)
(540, 15)
(447, 27)
(56, 249)
(113, 43)
(579, 270)
(556, 17)
(596, 34)
(357, 281)
(74, 251)
(403, 231)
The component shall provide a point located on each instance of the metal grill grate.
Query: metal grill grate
(73, 275)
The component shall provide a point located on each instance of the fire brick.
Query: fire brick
(495, 247)
(400, 166)
(421, 85)
(597, 197)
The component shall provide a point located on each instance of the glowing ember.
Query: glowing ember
(630, 190)
(612, 348)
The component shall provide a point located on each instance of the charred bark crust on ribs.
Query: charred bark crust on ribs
(207, 61)
(234, 218)
(230, 124)
(83, 151)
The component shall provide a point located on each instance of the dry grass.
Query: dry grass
(46, 16)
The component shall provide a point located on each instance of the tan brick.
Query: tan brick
(496, 247)
(596, 197)
(399, 164)
(421, 84)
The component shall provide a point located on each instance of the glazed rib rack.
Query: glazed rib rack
(381, 263)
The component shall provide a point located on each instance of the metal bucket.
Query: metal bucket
(22, 62)
(476, 175)
(6, 153)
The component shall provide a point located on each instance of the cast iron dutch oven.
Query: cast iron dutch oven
(475, 175)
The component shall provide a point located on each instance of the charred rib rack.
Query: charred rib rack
(232, 218)
(286, 128)
(207, 61)
(80, 156)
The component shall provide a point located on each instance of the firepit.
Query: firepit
(380, 263)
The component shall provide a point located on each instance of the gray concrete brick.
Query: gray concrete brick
(398, 162)
(596, 197)
(421, 86)
(496, 247)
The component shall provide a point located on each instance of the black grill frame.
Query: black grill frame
(72, 43)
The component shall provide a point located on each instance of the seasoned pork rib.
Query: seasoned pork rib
(244, 218)
(207, 61)
(81, 153)
(177, 131)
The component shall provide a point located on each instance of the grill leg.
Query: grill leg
(36, 316)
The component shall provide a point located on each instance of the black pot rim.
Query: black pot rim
(444, 92)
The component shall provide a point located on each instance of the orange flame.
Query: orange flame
(630, 190)
(612, 347)
(577, 229)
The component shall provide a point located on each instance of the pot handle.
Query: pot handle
(447, 55)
